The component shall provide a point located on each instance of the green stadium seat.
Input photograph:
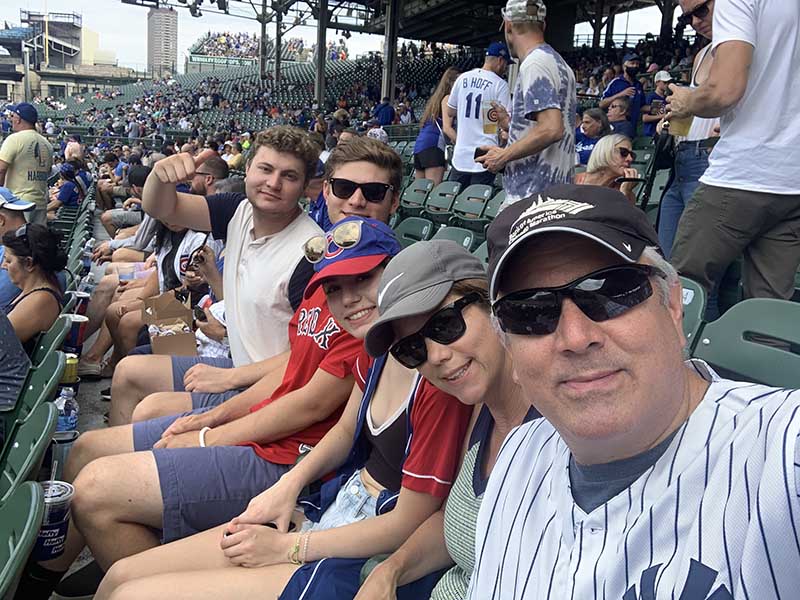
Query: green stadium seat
(414, 229)
(24, 452)
(20, 519)
(51, 340)
(493, 206)
(464, 237)
(694, 309)
(40, 387)
(734, 343)
(482, 252)
(469, 206)
(440, 201)
(412, 201)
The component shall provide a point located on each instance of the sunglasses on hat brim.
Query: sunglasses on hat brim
(601, 295)
(344, 236)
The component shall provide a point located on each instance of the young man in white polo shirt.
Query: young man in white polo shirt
(265, 273)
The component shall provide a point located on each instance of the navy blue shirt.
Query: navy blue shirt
(625, 128)
(584, 146)
(384, 113)
(650, 128)
(619, 84)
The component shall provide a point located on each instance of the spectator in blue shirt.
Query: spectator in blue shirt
(384, 112)
(5, 124)
(618, 117)
(74, 188)
(12, 217)
(594, 125)
(653, 110)
(626, 86)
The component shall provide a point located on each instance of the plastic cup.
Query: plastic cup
(81, 302)
(680, 126)
(489, 114)
(77, 332)
(126, 272)
(55, 523)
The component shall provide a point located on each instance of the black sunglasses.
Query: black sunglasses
(625, 153)
(372, 192)
(700, 11)
(601, 295)
(445, 326)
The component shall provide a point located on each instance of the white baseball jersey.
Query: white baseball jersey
(470, 92)
(715, 518)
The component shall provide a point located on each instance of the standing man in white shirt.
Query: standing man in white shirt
(470, 107)
(541, 131)
(748, 201)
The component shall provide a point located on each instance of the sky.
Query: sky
(123, 28)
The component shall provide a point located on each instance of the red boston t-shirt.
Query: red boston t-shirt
(317, 341)
(439, 423)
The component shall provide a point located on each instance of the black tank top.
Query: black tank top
(385, 462)
(31, 343)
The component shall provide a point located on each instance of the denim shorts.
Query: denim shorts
(353, 503)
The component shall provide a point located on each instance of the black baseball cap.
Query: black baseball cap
(598, 213)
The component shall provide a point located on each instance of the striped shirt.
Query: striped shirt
(716, 517)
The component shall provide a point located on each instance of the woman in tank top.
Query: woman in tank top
(477, 370)
(394, 454)
(33, 259)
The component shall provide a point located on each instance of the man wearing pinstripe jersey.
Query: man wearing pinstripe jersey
(650, 477)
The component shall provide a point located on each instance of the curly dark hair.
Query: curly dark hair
(289, 140)
(41, 245)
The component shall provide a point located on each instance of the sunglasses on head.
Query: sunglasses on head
(625, 153)
(601, 295)
(372, 192)
(344, 236)
(445, 326)
(700, 11)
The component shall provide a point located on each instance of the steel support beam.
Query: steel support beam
(322, 43)
(390, 48)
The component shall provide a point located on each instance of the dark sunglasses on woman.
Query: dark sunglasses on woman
(373, 191)
(445, 326)
(601, 295)
(625, 153)
(700, 11)
(345, 235)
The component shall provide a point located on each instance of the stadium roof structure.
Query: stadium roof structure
(474, 23)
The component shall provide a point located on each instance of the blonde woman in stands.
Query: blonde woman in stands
(429, 158)
(610, 162)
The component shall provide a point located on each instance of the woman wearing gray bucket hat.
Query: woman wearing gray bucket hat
(435, 317)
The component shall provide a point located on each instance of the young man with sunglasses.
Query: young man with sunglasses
(650, 475)
(197, 457)
(748, 201)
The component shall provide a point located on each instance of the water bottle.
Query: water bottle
(87, 284)
(86, 258)
(68, 408)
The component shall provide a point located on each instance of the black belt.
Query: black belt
(706, 143)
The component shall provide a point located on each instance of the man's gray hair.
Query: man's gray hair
(652, 256)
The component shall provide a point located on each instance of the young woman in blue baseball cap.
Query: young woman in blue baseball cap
(394, 453)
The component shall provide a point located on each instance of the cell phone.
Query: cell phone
(480, 152)
(196, 257)
(199, 314)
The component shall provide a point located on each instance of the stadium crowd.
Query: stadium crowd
(362, 417)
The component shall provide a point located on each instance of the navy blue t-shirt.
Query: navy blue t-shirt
(584, 146)
(625, 128)
(650, 128)
(637, 101)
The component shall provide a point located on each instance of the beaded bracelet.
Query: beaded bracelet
(304, 556)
